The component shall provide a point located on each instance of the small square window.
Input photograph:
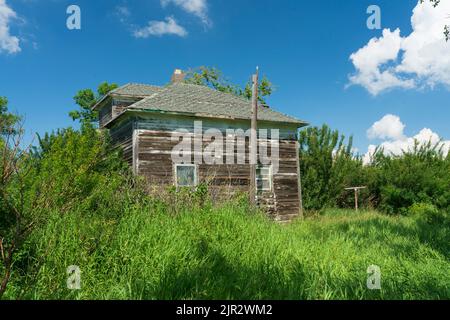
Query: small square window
(186, 175)
(264, 178)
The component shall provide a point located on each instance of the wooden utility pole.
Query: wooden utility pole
(299, 177)
(356, 189)
(254, 138)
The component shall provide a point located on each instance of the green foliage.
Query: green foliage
(10, 155)
(422, 209)
(7, 119)
(328, 166)
(428, 212)
(421, 175)
(395, 183)
(70, 166)
(227, 252)
(86, 99)
(213, 78)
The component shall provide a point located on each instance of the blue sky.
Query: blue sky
(304, 47)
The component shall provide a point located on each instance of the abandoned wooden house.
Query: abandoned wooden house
(142, 120)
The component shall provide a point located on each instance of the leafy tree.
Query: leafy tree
(418, 176)
(7, 119)
(15, 221)
(86, 99)
(328, 166)
(67, 168)
(213, 78)
(71, 164)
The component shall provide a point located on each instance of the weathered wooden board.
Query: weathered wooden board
(122, 137)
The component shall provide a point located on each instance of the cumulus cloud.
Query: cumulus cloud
(198, 8)
(160, 28)
(396, 142)
(421, 59)
(389, 127)
(8, 43)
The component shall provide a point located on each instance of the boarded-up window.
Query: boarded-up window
(264, 178)
(186, 175)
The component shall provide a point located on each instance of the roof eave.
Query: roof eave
(298, 124)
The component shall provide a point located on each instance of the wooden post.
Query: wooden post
(299, 175)
(254, 138)
(356, 190)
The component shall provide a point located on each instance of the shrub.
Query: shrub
(72, 167)
(328, 166)
(395, 182)
(429, 213)
(421, 175)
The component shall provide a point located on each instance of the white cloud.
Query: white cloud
(368, 157)
(8, 43)
(123, 10)
(160, 28)
(198, 8)
(421, 59)
(389, 127)
(123, 13)
(396, 142)
(169, 26)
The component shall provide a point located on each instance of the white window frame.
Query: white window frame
(177, 165)
(269, 178)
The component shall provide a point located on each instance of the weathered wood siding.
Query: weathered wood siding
(122, 137)
(105, 114)
(147, 145)
(112, 108)
(171, 123)
(154, 162)
(285, 182)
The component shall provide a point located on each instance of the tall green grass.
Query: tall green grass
(231, 252)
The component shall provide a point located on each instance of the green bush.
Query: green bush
(423, 209)
(328, 166)
(429, 213)
(395, 182)
(418, 176)
(72, 167)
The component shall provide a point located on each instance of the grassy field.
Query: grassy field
(228, 253)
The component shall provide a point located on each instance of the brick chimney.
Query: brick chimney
(177, 76)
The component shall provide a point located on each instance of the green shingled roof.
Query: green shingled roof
(136, 89)
(199, 101)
